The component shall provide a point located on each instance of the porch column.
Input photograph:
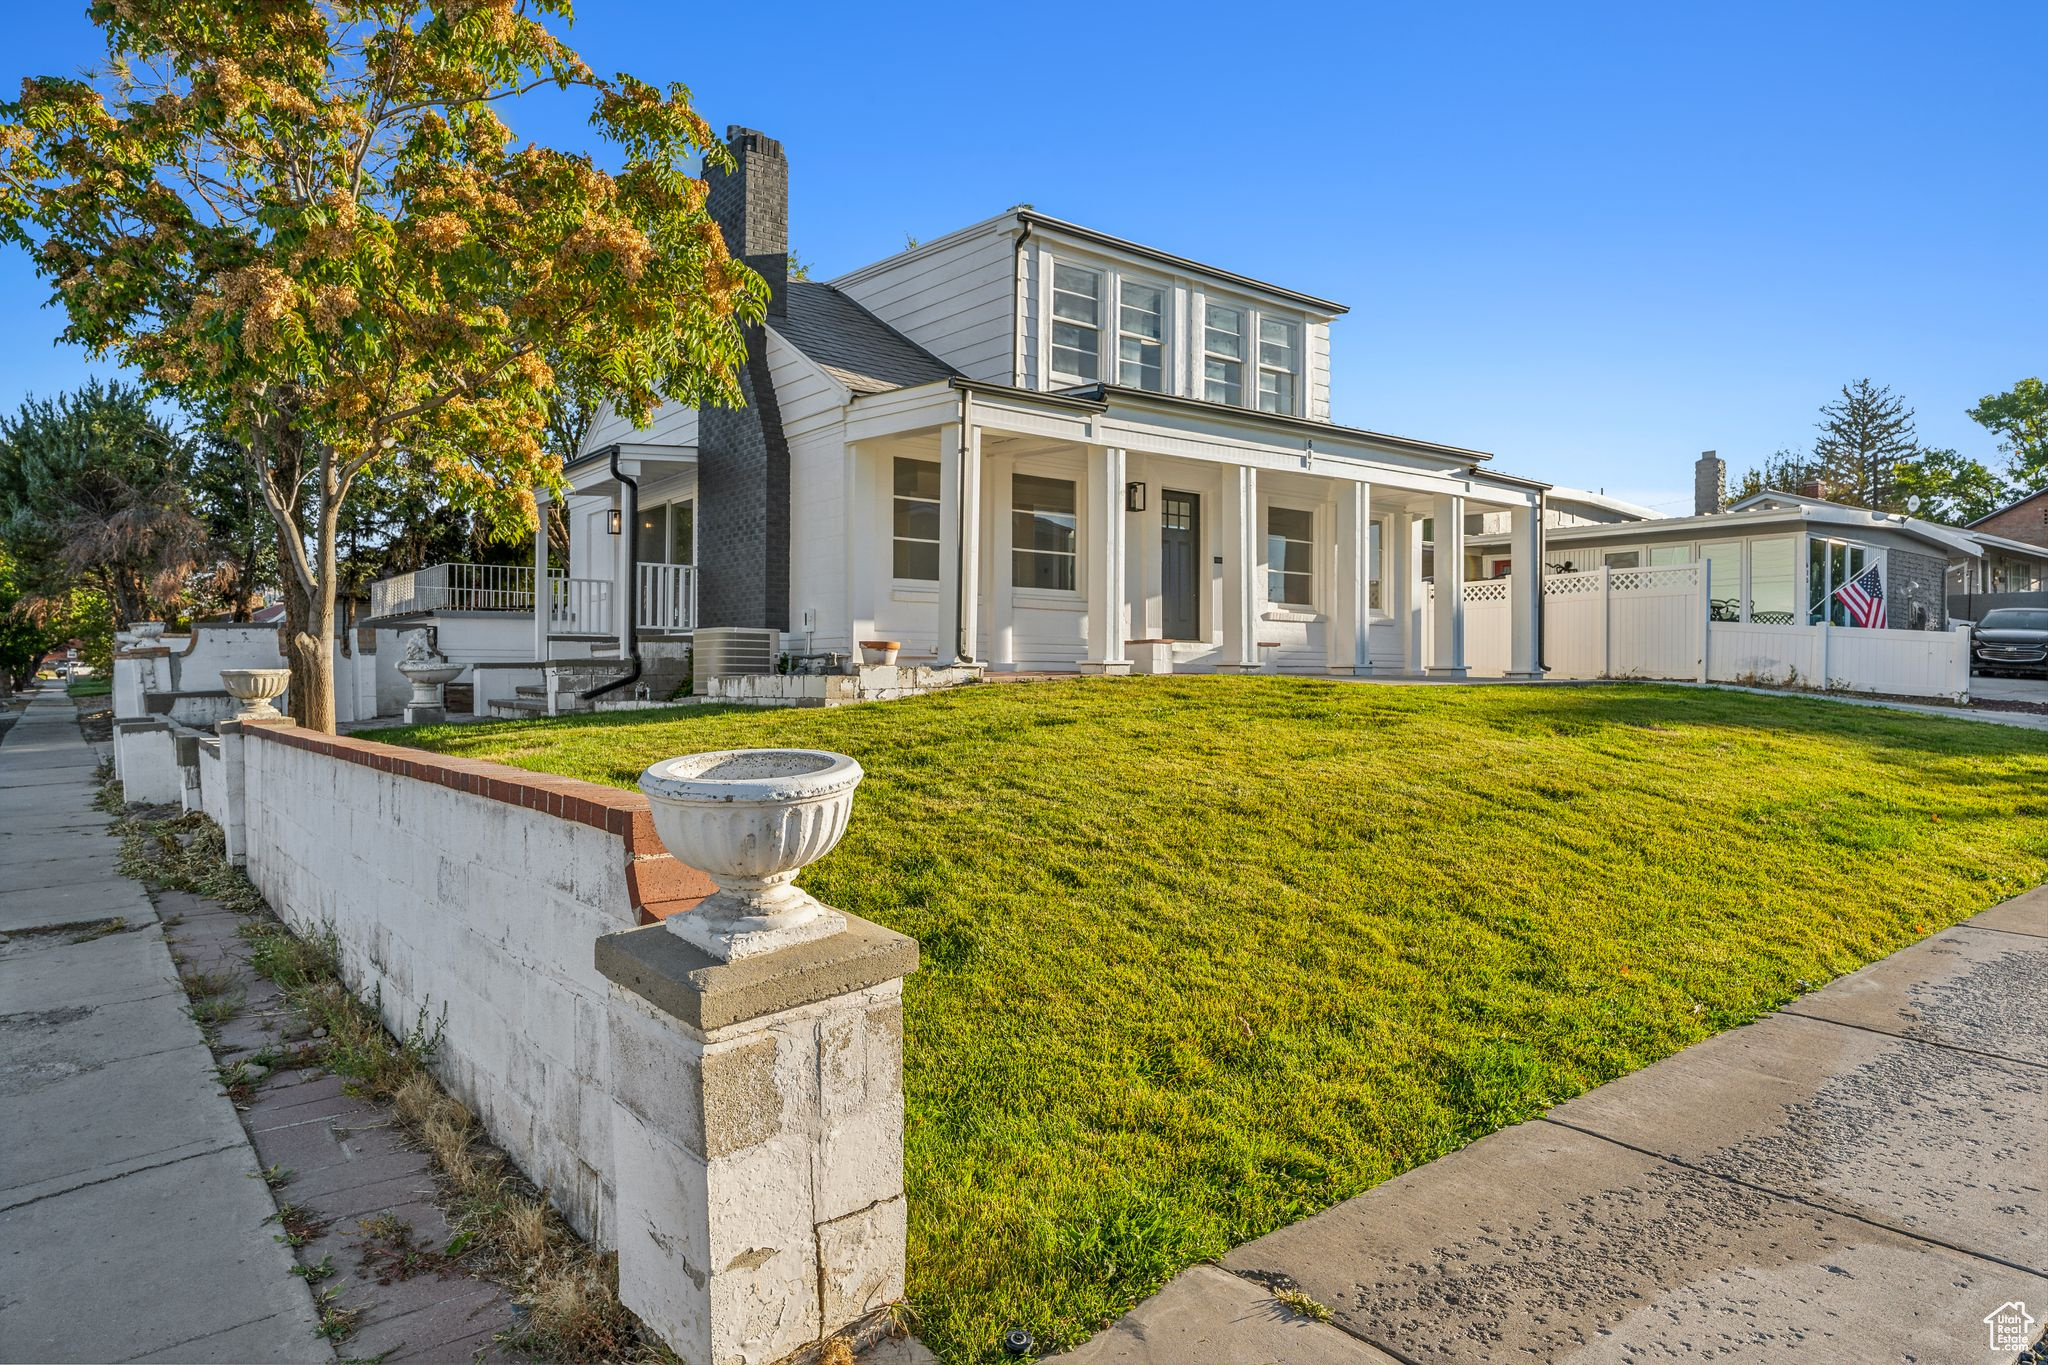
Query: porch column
(625, 603)
(1447, 652)
(868, 539)
(1002, 627)
(1239, 540)
(1349, 634)
(1525, 594)
(1105, 562)
(959, 544)
(542, 597)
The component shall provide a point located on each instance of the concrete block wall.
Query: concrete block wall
(1916, 591)
(473, 893)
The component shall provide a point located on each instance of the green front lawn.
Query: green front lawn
(1205, 955)
(80, 688)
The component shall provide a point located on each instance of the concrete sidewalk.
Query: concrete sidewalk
(133, 1221)
(1860, 1177)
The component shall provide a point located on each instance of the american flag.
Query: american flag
(1863, 595)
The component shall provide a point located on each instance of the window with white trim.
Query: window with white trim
(1279, 365)
(915, 549)
(1223, 355)
(1076, 324)
(1290, 557)
(1044, 539)
(1141, 336)
(1376, 568)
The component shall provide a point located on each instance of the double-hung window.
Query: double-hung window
(1279, 365)
(1141, 336)
(1223, 355)
(1290, 556)
(916, 544)
(1076, 324)
(1043, 530)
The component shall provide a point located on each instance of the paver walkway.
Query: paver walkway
(132, 1222)
(1860, 1177)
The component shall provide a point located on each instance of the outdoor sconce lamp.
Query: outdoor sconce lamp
(1134, 497)
(616, 522)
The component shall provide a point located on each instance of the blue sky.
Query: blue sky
(1593, 239)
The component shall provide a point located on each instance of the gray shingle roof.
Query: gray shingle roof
(851, 344)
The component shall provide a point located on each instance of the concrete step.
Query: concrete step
(531, 690)
(518, 708)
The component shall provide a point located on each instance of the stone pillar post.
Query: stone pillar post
(1447, 647)
(757, 1129)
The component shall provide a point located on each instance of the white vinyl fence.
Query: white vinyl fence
(1654, 623)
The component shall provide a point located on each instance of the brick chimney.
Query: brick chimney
(742, 453)
(750, 203)
(1709, 484)
(1810, 489)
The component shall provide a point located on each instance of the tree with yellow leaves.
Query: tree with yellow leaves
(307, 219)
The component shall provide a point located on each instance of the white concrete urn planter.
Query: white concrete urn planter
(427, 677)
(256, 689)
(751, 820)
(879, 653)
(147, 632)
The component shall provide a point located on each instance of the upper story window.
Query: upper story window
(1141, 336)
(1223, 355)
(1077, 324)
(1279, 365)
(915, 551)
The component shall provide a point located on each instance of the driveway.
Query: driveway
(1986, 688)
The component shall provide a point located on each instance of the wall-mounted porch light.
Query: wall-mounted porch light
(1134, 497)
(615, 521)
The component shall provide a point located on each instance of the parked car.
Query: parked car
(2011, 640)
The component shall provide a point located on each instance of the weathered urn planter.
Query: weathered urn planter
(146, 632)
(751, 820)
(256, 689)
(428, 670)
(879, 653)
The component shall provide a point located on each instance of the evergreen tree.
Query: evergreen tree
(1866, 435)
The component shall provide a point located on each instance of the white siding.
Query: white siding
(813, 407)
(672, 425)
(955, 298)
(1319, 371)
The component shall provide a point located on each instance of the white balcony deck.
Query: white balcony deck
(665, 597)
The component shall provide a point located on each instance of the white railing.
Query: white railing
(666, 598)
(455, 587)
(579, 606)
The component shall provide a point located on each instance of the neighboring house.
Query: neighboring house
(1777, 558)
(1489, 553)
(2015, 538)
(1025, 444)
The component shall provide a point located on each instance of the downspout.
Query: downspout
(1018, 300)
(1542, 554)
(961, 649)
(629, 533)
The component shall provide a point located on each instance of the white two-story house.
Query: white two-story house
(1028, 444)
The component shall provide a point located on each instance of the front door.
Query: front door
(1180, 551)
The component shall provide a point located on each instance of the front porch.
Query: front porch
(1037, 532)
(664, 599)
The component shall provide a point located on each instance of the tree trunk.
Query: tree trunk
(297, 610)
(316, 643)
